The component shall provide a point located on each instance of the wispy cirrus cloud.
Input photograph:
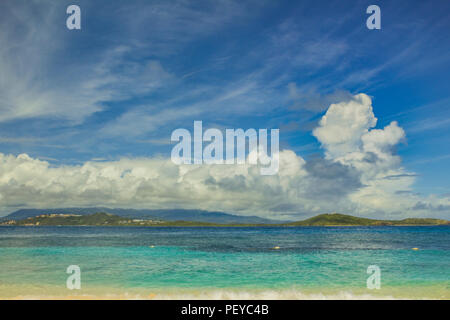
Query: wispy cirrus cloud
(138, 69)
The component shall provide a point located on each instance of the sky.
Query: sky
(86, 115)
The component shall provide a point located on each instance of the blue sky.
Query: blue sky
(137, 70)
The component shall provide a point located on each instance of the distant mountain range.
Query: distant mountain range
(108, 219)
(158, 214)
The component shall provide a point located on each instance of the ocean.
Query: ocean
(225, 263)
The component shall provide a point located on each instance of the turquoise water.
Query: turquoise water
(224, 258)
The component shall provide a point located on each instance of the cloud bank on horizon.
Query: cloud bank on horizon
(86, 115)
(360, 174)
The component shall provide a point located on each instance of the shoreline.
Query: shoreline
(233, 226)
(16, 292)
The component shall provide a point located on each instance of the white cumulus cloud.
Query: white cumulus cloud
(360, 175)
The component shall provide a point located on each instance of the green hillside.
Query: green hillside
(334, 219)
(337, 219)
(106, 219)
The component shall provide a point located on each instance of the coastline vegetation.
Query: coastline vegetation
(107, 219)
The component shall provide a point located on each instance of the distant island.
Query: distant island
(148, 214)
(108, 219)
